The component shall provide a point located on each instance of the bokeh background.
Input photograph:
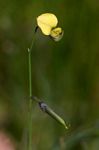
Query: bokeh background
(65, 74)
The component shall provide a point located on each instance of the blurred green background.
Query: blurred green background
(65, 73)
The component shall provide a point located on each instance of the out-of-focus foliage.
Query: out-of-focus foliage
(65, 74)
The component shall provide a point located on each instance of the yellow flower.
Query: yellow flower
(57, 33)
(47, 22)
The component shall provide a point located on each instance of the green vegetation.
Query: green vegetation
(65, 74)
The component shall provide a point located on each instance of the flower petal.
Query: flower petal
(46, 22)
(57, 34)
(44, 28)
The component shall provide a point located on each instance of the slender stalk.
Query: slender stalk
(30, 95)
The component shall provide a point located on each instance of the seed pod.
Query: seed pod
(45, 108)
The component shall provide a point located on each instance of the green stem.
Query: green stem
(30, 95)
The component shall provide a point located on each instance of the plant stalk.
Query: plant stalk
(30, 95)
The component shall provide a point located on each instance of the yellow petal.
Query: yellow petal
(46, 22)
(57, 33)
(44, 28)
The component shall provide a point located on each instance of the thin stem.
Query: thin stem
(30, 95)
(30, 72)
(30, 103)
